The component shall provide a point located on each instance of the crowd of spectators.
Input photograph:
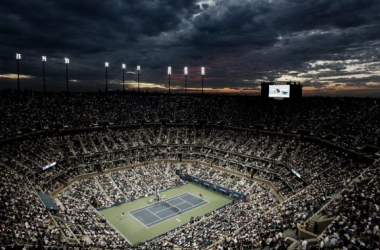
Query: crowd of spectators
(305, 173)
(357, 215)
(351, 121)
(127, 185)
(90, 229)
(267, 228)
(273, 158)
(81, 198)
(213, 226)
(23, 217)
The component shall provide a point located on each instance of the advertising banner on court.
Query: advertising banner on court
(234, 195)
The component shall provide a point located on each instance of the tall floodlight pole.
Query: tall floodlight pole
(18, 58)
(67, 61)
(185, 72)
(203, 75)
(123, 66)
(44, 59)
(169, 74)
(106, 64)
(138, 78)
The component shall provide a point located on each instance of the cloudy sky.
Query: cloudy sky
(330, 46)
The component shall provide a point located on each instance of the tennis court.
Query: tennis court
(139, 230)
(162, 211)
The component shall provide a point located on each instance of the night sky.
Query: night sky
(330, 46)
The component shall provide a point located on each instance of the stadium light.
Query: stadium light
(67, 61)
(18, 58)
(138, 77)
(44, 59)
(169, 74)
(106, 64)
(123, 66)
(185, 72)
(203, 75)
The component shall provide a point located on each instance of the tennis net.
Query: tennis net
(172, 206)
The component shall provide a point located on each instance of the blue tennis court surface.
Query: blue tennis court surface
(162, 211)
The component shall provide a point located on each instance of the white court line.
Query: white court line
(190, 195)
(195, 197)
(206, 202)
(159, 210)
(140, 221)
(153, 205)
(161, 218)
(185, 210)
(147, 209)
(144, 208)
(137, 220)
(183, 200)
(172, 215)
(167, 207)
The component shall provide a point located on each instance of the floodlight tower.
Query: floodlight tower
(44, 59)
(67, 61)
(169, 74)
(185, 72)
(123, 67)
(203, 75)
(18, 58)
(106, 64)
(138, 77)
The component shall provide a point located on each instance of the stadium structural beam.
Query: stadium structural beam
(185, 72)
(18, 58)
(106, 64)
(123, 68)
(169, 74)
(138, 78)
(203, 75)
(43, 72)
(67, 61)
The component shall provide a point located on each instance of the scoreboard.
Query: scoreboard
(281, 90)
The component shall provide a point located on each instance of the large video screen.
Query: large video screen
(279, 91)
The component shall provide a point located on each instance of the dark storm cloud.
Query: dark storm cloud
(281, 36)
(298, 15)
(87, 26)
(233, 24)
(239, 41)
